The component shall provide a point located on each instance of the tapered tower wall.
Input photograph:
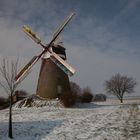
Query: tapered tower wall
(52, 82)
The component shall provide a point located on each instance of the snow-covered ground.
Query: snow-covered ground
(100, 121)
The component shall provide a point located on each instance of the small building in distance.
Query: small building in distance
(100, 97)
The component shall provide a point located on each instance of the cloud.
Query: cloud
(129, 7)
(97, 47)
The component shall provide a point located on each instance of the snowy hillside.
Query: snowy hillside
(89, 122)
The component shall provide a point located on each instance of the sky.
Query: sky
(100, 41)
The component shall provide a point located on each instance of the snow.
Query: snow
(36, 101)
(94, 121)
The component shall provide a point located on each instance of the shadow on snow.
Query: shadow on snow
(29, 130)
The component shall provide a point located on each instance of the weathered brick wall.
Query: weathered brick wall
(51, 76)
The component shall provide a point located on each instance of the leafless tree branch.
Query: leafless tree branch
(8, 71)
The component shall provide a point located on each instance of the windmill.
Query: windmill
(53, 79)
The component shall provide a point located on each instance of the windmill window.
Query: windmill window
(59, 86)
(59, 89)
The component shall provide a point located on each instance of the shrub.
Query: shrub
(2, 101)
(75, 88)
(68, 99)
(21, 93)
(18, 95)
(86, 95)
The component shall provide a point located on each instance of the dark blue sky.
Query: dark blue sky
(101, 40)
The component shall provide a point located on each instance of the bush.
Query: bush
(86, 95)
(68, 99)
(75, 88)
(75, 95)
(21, 93)
(2, 101)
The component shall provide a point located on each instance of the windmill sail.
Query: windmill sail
(31, 34)
(62, 64)
(61, 27)
(26, 68)
(28, 31)
(57, 33)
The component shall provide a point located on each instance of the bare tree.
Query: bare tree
(118, 85)
(8, 72)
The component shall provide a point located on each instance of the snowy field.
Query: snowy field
(95, 121)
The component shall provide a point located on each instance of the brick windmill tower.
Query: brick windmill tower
(53, 79)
